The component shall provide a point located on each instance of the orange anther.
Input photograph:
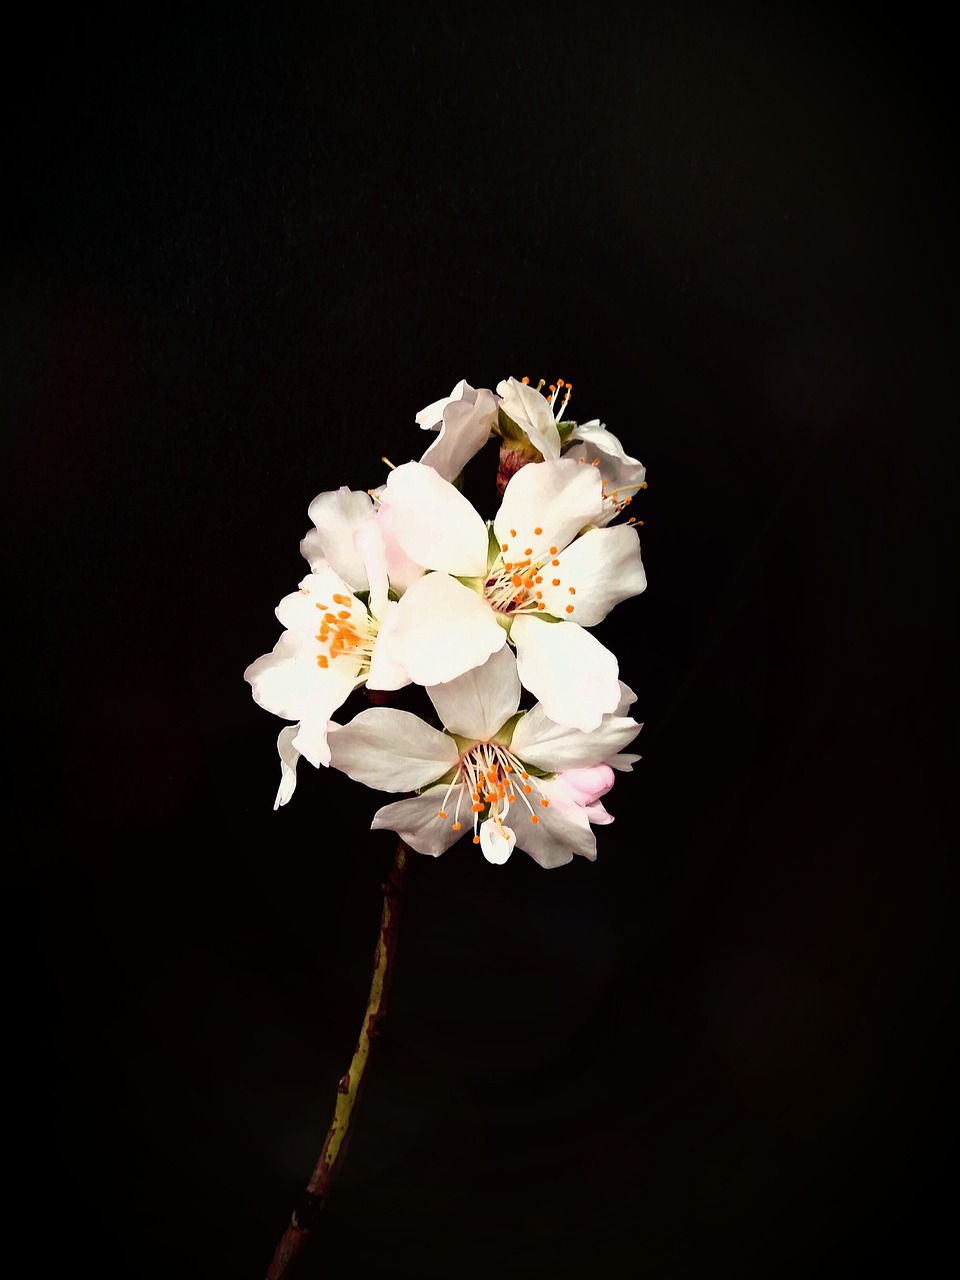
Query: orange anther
(534, 819)
(528, 582)
(525, 381)
(513, 533)
(538, 578)
(328, 617)
(441, 814)
(541, 605)
(595, 463)
(554, 563)
(545, 803)
(572, 590)
(529, 551)
(476, 808)
(538, 531)
(569, 608)
(556, 582)
(322, 661)
(527, 788)
(504, 545)
(456, 826)
(321, 607)
(339, 599)
(553, 551)
(344, 613)
(476, 839)
(539, 595)
(516, 580)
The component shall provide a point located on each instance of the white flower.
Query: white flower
(464, 420)
(621, 475)
(485, 772)
(534, 576)
(333, 642)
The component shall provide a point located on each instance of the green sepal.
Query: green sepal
(504, 735)
(565, 430)
(475, 584)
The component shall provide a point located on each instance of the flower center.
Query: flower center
(515, 586)
(494, 778)
(346, 629)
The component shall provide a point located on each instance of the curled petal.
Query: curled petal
(464, 431)
(337, 515)
(542, 742)
(289, 756)
(496, 841)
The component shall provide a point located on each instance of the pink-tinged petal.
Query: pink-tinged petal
(478, 703)
(545, 505)
(434, 523)
(372, 551)
(289, 756)
(392, 750)
(401, 570)
(496, 841)
(567, 669)
(431, 417)
(417, 822)
(540, 741)
(594, 573)
(530, 411)
(443, 629)
(465, 430)
(337, 515)
(386, 671)
(585, 786)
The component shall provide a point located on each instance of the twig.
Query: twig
(306, 1215)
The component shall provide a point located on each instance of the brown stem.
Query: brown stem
(305, 1216)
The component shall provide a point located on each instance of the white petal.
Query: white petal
(443, 629)
(602, 443)
(567, 669)
(392, 750)
(557, 836)
(603, 567)
(540, 741)
(478, 703)
(401, 570)
(496, 841)
(372, 551)
(328, 694)
(289, 682)
(337, 515)
(289, 756)
(430, 418)
(386, 672)
(624, 761)
(465, 430)
(434, 523)
(558, 498)
(417, 822)
(530, 411)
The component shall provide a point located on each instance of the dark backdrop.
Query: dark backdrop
(247, 250)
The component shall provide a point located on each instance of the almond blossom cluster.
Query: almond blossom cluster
(410, 584)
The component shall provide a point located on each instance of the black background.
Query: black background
(247, 250)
